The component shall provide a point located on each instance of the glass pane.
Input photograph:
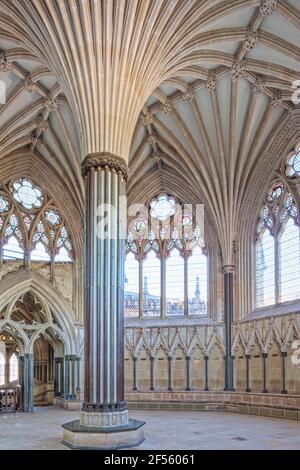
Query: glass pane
(151, 285)
(197, 283)
(12, 249)
(63, 256)
(40, 253)
(265, 270)
(131, 286)
(13, 368)
(175, 283)
(289, 249)
(2, 369)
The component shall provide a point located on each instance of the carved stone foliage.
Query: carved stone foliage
(105, 161)
(250, 40)
(237, 70)
(5, 65)
(268, 7)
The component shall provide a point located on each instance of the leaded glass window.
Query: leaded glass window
(131, 286)
(30, 226)
(197, 282)
(151, 285)
(2, 368)
(166, 267)
(13, 368)
(175, 283)
(278, 237)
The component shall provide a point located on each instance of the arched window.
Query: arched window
(166, 262)
(131, 286)
(197, 282)
(2, 369)
(278, 238)
(31, 224)
(289, 262)
(265, 270)
(13, 368)
(151, 285)
(175, 283)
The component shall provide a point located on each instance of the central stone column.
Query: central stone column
(104, 419)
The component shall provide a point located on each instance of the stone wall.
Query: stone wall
(269, 341)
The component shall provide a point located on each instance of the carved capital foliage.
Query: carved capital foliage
(104, 161)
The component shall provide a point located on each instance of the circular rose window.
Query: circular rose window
(27, 194)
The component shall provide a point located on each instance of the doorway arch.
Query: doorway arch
(40, 320)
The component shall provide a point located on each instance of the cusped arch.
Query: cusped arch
(15, 285)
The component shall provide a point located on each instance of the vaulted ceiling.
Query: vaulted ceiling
(191, 92)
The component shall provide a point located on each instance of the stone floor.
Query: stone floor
(163, 430)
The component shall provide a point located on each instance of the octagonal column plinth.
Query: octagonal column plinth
(104, 419)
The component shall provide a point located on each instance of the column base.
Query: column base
(77, 436)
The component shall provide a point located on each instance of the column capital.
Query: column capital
(229, 268)
(104, 160)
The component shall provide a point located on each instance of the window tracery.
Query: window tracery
(278, 237)
(161, 279)
(31, 227)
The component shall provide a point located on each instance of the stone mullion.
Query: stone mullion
(247, 356)
(277, 271)
(163, 305)
(186, 285)
(228, 317)
(284, 372)
(140, 287)
(265, 372)
(152, 373)
(206, 359)
(21, 381)
(188, 362)
(170, 373)
(134, 388)
(28, 383)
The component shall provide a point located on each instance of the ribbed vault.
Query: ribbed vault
(190, 92)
